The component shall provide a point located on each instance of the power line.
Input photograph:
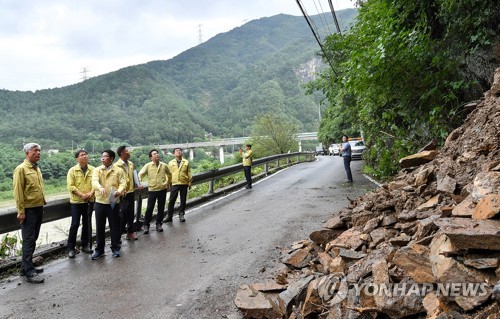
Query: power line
(316, 36)
(334, 17)
(322, 17)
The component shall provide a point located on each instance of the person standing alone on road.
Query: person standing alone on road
(181, 182)
(81, 198)
(346, 154)
(247, 165)
(30, 198)
(109, 184)
(159, 179)
(127, 202)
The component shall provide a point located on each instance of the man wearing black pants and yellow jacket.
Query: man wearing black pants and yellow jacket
(181, 182)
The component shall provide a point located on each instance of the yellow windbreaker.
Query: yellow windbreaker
(247, 158)
(181, 175)
(127, 173)
(28, 186)
(112, 178)
(78, 181)
(158, 176)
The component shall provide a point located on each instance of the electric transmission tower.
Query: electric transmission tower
(84, 73)
(200, 35)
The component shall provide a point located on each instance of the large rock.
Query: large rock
(431, 203)
(294, 294)
(348, 239)
(487, 207)
(387, 301)
(446, 184)
(323, 236)
(423, 175)
(362, 268)
(414, 260)
(417, 159)
(485, 183)
(465, 208)
(299, 258)
(466, 233)
(433, 305)
(335, 222)
(448, 270)
(254, 304)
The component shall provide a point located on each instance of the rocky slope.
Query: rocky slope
(426, 245)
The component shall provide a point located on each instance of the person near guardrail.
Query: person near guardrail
(81, 199)
(159, 179)
(109, 184)
(127, 202)
(181, 182)
(247, 164)
(346, 155)
(30, 198)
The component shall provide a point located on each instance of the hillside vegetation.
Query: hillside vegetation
(216, 87)
(405, 72)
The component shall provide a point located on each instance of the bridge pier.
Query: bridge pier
(191, 153)
(221, 154)
(300, 146)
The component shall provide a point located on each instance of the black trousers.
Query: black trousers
(103, 212)
(347, 167)
(127, 213)
(248, 175)
(30, 229)
(153, 197)
(81, 211)
(174, 192)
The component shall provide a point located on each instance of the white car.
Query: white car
(357, 149)
(334, 149)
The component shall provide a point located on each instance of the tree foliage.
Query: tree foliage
(274, 133)
(398, 76)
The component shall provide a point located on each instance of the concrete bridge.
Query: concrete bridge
(221, 143)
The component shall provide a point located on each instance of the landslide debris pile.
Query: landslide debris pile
(425, 245)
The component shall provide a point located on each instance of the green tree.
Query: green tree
(274, 134)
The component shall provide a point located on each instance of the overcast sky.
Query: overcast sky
(49, 43)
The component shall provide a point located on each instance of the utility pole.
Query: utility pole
(200, 36)
(84, 73)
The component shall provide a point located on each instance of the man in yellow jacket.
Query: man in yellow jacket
(159, 179)
(109, 184)
(247, 165)
(127, 202)
(181, 182)
(30, 198)
(81, 199)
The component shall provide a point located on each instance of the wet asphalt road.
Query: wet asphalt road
(193, 269)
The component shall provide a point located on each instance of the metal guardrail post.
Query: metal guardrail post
(266, 169)
(211, 186)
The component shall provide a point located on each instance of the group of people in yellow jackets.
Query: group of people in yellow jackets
(108, 190)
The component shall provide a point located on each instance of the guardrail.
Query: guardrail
(60, 208)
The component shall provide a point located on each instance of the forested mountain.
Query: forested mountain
(216, 87)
